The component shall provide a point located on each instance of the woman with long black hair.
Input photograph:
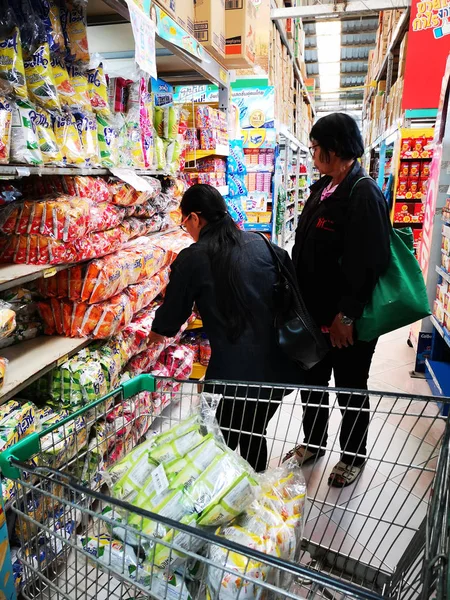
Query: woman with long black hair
(230, 276)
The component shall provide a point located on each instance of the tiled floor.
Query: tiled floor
(374, 520)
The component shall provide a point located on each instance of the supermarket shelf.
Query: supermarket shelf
(250, 170)
(197, 324)
(440, 271)
(12, 275)
(198, 371)
(414, 224)
(441, 330)
(26, 171)
(397, 36)
(290, 218)
(282, 130)
(31, 359)
(282, 31)
(198, 154)
(438, 377)
(384, 136)
(264, 227)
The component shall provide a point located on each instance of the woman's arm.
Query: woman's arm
(178, 301)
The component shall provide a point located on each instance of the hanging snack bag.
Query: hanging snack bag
(158, 121)
(12, 70)
(98, 90)
(74, 21)
(39, 77)
(171, 122)
(51, 153)
(5, 130)
(24, 139)
(80, 84)
(66, 91)
(49, 12)
(160, 154)
(68, 139)
(108, 141)
(87, 129)
(130, 147)
(146, 121)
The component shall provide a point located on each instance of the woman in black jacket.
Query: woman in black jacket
(341, 249)
(230, 276)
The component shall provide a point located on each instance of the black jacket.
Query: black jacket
(342, 246)
(256, 356)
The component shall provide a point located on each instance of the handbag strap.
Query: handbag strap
(356, 183)
(275, 256)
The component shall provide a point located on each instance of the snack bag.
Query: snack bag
(66, 91)
(108, 140)
(130, 146)
(68, 139)
(87, 129)
(98, 90)
(24, 139)
(49, 11)
(12, 70)
(5, 130)
(51, 153)
(79, 82)
(39, 77)
(113, 554)
(7, 320)
(74, 24)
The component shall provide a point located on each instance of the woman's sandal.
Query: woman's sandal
(302, 455)
(343, 475)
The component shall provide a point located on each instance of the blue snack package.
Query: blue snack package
(236, 185)
(236, 159)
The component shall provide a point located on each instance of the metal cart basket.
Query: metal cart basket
(385, 536)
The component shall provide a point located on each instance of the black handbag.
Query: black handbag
(298, 334)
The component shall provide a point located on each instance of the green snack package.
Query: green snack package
(165, 556)
(24, 138)
(158, 121)
(178, 447)
(108, 142)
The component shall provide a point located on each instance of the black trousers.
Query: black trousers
(351, 368)
(244, 422)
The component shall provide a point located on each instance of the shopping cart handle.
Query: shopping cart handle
(30, 445)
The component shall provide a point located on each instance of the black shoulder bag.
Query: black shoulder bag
(298, 334)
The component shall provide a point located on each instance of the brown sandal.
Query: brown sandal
(302, 455)
(343, 475)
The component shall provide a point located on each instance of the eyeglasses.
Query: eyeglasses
(183, 223)
(312, 149)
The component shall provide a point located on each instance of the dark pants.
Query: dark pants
(351, 368)
(244, 423)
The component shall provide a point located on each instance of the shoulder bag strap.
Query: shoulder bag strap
(272, 252)
(356, 183)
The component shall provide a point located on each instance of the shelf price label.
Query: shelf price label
(50, 272)
(62, 360)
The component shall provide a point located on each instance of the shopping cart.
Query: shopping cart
(386, 536)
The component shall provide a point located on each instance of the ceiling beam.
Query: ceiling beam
(338, 9)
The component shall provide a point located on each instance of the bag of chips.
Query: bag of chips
(39, 77)
(68, 139)
(74, 25)
(79, 82)
(49, 12)
(24, 138)
(66, 91)
(5, 130)
(12, 70)
(98, 90)
(87, 129)
(51, 153)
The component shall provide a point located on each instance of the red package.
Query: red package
(402, 188)
(103, 216)
(46, 313)
(405, 149)
(418, 146)
(425, 172)
(414, 169)
(413, 188)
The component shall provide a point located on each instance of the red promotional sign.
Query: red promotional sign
(428, 49)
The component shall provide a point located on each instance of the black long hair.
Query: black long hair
(224, 239)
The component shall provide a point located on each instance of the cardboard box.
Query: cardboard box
(169, 6)
(185, 15)
(240, 26)
(209, 25)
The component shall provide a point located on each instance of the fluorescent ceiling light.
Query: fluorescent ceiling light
(328, 34)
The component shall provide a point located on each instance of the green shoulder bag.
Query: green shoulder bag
(400, 295)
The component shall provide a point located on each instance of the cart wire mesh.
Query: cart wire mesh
(385, 536)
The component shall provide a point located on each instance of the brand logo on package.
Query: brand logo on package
(433, 14)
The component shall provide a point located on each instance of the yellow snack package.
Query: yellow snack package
(12, 70)
(79, 82)
(5, 130)
(68, 139)
(74, 21)
(98, 90)
(51, 154)
(64, 87)
(39, 77)
(87, 129)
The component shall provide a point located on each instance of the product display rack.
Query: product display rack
(31, 359)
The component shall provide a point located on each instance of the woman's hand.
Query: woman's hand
(341, 335)
(155, 338)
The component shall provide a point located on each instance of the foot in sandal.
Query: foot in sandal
(303, 455)
(343, 475)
